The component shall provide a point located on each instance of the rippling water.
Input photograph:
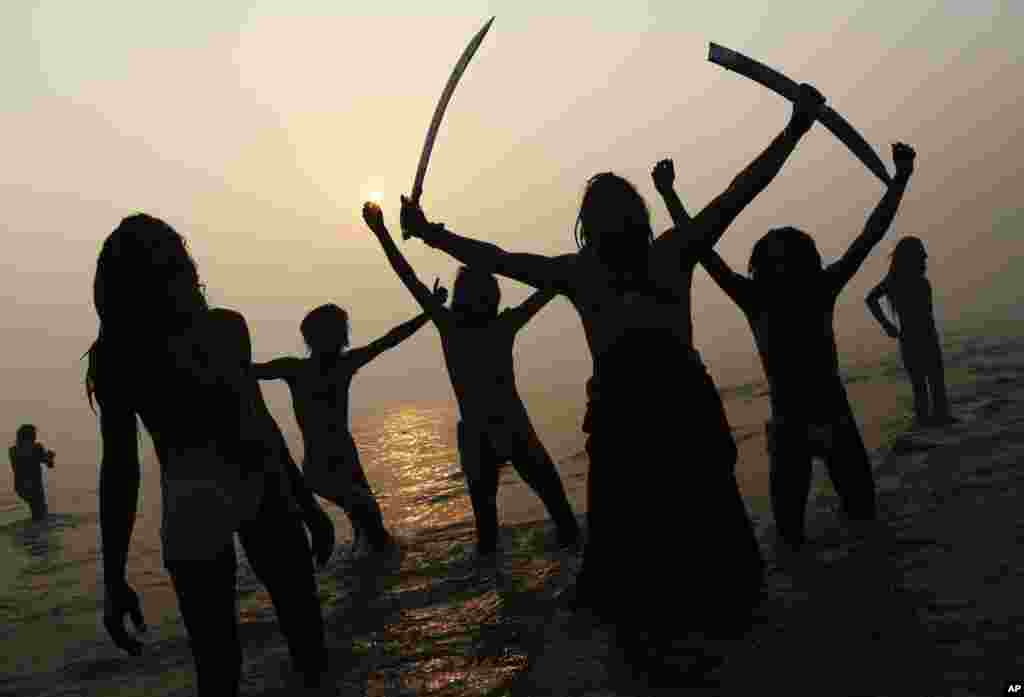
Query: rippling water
(49, 572)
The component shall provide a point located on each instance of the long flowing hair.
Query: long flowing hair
(797, 247)
(904, 267)
(615, 222)
(130, 292)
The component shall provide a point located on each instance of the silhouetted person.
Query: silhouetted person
(495, 428)
(910, 299)
(27, 456)
(789, 301)
(164, 356)
(319, 387)
(661, 476)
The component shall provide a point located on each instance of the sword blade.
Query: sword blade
(446, 95)
(784, 86)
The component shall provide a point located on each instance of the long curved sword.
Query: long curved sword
(435, 123)
(780, 84)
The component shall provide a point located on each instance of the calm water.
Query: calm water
(49, 572)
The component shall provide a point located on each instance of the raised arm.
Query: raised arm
(362, 356)
(737, 287)
(875, 307)
(691, 241)
(431, 304)
(283, 368)
(664, 176)
(879, 221)
(525, 311)
(532, 269)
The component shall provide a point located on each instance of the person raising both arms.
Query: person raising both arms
(789, 301)
(663, 477)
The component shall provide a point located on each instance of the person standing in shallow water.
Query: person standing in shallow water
(164, 357)
(790, 302)
(27, 456)
(319, 386)
(494, 428)
(632, 293)
(910, 298)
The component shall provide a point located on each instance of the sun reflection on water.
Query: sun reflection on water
(411, 457)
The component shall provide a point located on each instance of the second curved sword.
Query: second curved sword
(780, 84)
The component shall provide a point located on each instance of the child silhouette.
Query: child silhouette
(319, 387)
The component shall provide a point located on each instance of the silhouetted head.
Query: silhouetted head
(784, 255)
(909, 257)
(475, 295)
(146, 287)
(325, 330)
(614, 222)
(26, 433)
(146, 277)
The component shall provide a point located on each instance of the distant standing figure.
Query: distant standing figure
(910, 300)
(26, 457)
(319, 387)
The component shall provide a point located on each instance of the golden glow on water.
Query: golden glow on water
(413, 455)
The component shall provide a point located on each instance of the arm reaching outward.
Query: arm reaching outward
(691, 237)
(403, 331)
(525, 311)
(532, 269)
(876, 309)
(276, 369)
(880, 220)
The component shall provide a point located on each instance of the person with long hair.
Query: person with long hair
(477, 340)
(163, 357)
(789, 301)
(319, 387)
(909, 294)
(663, 476)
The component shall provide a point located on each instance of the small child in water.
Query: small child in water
(910, 301)
(26, 456)
(319, 386)
(477, 341)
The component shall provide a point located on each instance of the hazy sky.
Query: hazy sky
(257, 129)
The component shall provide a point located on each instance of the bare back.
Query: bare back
(320, 398)
(607, 314)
